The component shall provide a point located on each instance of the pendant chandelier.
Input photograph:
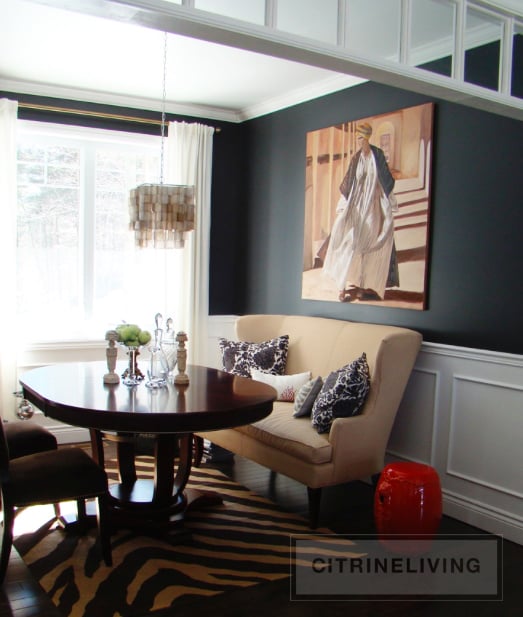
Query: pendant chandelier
(160, 214)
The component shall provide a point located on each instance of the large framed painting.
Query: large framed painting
(367, 206)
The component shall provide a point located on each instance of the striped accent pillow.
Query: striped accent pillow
(306, 396)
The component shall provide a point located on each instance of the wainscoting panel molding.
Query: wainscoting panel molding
(485, 415)
(413, 432)
(462, 413)
(473, 400)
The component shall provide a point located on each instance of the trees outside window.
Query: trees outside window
(78, 272)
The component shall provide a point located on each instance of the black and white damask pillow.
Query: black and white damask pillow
(342, 395)
(239, 357)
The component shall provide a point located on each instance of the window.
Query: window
(317, 20)
(78, 273)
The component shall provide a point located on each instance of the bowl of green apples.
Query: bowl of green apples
(132, 337)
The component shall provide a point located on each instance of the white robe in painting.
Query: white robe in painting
(362, 236)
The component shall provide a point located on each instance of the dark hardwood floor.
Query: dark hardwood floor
(345, 509)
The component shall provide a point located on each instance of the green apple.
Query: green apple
(123, 333)
(144, 337)
(133, 331)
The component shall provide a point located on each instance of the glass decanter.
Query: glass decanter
(170, 347)
(158, 369)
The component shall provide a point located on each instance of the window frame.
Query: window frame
(75, 135)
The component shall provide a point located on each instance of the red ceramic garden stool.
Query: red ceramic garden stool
(407, 501)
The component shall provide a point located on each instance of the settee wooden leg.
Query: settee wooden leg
(197, 450)
(314, 506)
(272, 484)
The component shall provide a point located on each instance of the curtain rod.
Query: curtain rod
(94, 114)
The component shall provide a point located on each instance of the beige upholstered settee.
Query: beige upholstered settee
(355, 446)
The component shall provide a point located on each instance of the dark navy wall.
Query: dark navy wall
(229, 221)
(475, 273)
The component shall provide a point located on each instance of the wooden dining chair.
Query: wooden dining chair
(65, 474)
(26, 437)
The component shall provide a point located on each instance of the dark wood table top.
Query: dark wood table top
(74, 393)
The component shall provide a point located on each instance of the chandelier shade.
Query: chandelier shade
(160, 214)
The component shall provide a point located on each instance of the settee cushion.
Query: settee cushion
(293, 436)
(239, 357)
(285, 385)
(342, 395)
(304, 399)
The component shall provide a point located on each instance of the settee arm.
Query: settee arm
(359, 442)
(358, 447)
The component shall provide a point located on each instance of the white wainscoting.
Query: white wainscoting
(462, 413)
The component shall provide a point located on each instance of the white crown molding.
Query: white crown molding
(105, 98)
(301, 95)
(288, 99)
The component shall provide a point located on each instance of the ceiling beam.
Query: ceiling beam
(167, 17)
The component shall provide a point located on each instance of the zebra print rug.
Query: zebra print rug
(240, 543)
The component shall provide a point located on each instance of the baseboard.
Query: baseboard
(69, 434)
(478, 515)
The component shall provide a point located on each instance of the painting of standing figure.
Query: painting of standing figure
(367, 210)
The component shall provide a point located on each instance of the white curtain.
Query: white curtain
(189, 161)
(8, 349)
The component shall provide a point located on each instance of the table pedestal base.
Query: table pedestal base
(154, 506)
(133, 508)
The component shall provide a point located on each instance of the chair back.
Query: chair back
(4, 454)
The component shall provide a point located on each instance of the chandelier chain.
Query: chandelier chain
(164, 96)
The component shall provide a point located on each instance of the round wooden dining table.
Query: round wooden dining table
(165, 418)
